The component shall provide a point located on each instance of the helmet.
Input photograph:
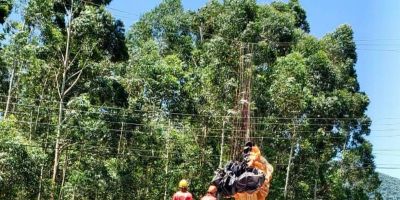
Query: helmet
(183, 183)
(247, 148)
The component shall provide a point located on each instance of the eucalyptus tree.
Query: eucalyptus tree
(19, 162)
(75, 37)
(18, 56)
(168, 104)
(5, 10)
(301, 84)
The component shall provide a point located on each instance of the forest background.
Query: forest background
(89, 109)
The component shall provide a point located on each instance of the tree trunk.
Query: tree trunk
(40, 182)
(62, 94)
(42, 168)
(40, 104)
(9, 92)
(315, 189)
(222, 145)
(247, 79)
(64, 173)
(30, 127)
(290, 161)
(201, 32)
(288, 171)
(73, 193)
(120, 135)
(203, 144)
(166, 165)
(57, 146)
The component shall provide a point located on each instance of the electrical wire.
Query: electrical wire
(183, 128)
(27, 114)
(180, 114)
(88, 149)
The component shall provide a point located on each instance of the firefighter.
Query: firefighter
(211, 193)
(183, 193)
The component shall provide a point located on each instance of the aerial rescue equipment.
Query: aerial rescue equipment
(246, 180)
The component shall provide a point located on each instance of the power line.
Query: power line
(378, 39)
(183, 127)
(174, 113)
(387, 50)
(210, 130)
(111, 8)
(95, 148)
(106, 112)
(140, 153)
(27, 114)
(378, 44)
(174, 128)
(114, 114)
(396, 150)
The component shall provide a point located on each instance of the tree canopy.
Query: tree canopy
(91, 111)
(5, 9)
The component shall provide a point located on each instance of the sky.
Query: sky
(376, 29)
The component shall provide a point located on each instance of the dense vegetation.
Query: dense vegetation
(92, 112)
(5, 9)
(390, 187)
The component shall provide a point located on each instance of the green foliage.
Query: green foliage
(389, 187)
(300, 15)
(19, 163)
(141, 113)
(5, 9)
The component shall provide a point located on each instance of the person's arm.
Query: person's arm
(174, 197)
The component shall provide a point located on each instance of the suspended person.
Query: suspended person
(254, 159)
(183, 193)
(245, 180)
(211, 193)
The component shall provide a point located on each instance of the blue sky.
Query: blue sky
(376, 27)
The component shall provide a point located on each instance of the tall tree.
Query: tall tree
(91, 113)
(5, 9)
(75, 35)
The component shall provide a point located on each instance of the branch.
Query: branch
(75, 81)
(79, 73)
(76, 73)
(65, 7)
(65, 145)
(62, 56)
(58, 86)
(73, 60)
(65, 119)
(194, 62)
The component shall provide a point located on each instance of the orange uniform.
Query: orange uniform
(209, 197)
(211, 192)
(182, 196)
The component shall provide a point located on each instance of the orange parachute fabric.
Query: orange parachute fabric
(259, 162)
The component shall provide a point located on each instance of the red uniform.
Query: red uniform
(182, 196)
(209, 197)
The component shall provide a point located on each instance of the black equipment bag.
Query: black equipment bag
(237, 177)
